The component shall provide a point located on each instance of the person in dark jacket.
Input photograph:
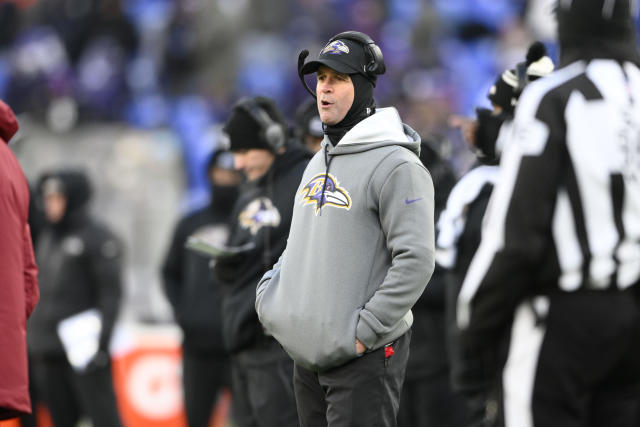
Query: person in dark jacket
(196, 297)
(37, 221)
(18, 275)
(80, 264)
(262, 373)
(459, 228)
(427, 397)
(557, 268)
(308, 126)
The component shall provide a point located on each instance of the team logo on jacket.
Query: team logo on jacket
(259, 213)
(318, 193)
(335, 48)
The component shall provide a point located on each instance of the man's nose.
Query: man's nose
(325, 86)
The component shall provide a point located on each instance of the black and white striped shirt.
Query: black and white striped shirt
(565, 214)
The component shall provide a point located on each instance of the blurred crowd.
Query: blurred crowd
(181, 63)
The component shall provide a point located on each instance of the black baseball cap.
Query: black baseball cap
(342, 55)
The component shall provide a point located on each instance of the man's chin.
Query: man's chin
(252, 177)
(328, 121)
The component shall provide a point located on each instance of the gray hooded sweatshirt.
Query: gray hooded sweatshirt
(355, 265)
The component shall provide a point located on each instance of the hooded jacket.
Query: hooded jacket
(80, 264)
(261, 217)
(354, 265)
(18, 275)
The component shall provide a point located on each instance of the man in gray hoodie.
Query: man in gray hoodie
(360, 250)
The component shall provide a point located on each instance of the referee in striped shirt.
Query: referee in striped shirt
(558, 269)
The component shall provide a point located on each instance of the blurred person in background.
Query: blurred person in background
(482, 134)
(559, 261)
(9, 23)
(360, 252)
(308, 126)
(459, 229)
(104, 54)
(261, 371)
(37, 221)
(80, 262)
(18, 275)
(70, 62)
(196, 298)
(427, 397)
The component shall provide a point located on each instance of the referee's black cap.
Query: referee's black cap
(602, 19)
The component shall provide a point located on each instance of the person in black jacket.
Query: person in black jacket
(196, 297)
(262, 373)
(308, 126)
(459, 229)
(80, 263)
(557, 266)
(427, 398)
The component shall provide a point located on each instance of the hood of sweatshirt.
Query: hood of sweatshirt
(378, 130)
(8, 122)
(75, 186)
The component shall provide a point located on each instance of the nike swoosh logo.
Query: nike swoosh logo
(409, 201)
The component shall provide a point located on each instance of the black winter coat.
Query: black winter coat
(80, 267)
(262, 215)
(428, 353)
(194, 294)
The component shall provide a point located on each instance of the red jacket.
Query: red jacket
(18, 275)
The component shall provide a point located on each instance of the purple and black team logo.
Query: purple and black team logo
(335, 48)
(333, 195)
(259, 213)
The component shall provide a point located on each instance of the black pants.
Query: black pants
(363, 392)
(69, 395)
(262, 387)
(575, 363)
(430, 402)
(203, 378)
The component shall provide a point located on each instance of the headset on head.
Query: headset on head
(272, 132)
(374, 67)
(376, 64)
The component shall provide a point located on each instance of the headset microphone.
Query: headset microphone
(303, 55)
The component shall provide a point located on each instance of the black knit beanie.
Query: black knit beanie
(244, 131)
(505, 91)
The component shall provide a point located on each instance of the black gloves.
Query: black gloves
(487, 134)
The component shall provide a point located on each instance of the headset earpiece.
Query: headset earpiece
(272, 132)
(376, 64)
